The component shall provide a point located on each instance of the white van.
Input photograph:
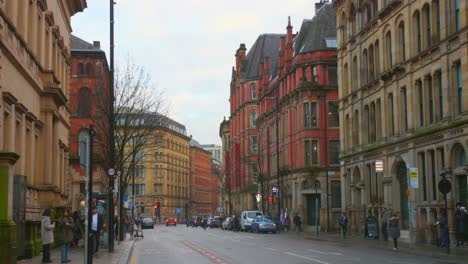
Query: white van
(247, 217)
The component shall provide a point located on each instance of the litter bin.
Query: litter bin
(372, 227)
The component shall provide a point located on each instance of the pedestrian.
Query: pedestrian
(130, 226)
(77, 229)
(443, 224)
(298, 223)
(116, 227)
(344, 224)
(65, 234)
(96, 228)
(287, 223)
(47, 235)
(459, 226)
(384, 218)
(394, 223)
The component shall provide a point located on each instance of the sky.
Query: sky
(188, 47)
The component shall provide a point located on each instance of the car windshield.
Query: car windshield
(263, 219)
(147, 219)
(253, 214)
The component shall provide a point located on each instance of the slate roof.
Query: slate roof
(266, 45)
(314, 32)
(78, 44)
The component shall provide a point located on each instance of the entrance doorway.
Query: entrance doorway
(313, 211)
(401, 172)
(463, 190)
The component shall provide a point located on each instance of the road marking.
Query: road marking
(326, 253)
(212, 257)
(304, 257)
(272, 249)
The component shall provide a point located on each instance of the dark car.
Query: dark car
(199, 222)
(216, 222)
(171, 221)
(147, 222)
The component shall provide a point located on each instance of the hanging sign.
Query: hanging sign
(414, 178)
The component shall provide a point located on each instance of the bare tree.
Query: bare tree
(139, 109)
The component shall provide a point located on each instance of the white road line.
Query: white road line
(272, 249)
(299, 256)
(326, 253)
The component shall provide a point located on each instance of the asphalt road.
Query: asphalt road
(194, 245)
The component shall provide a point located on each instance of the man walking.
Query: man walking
(96, 228)
(344, 224)
(298, 223)
(384, 218)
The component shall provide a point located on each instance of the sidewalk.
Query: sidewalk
(419, 249)
(121, 255)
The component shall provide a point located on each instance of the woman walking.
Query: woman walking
(65, 226)
(77, 229)
(47, 235)
(394, 223)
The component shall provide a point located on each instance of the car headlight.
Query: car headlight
(274, 225)
(260, 225)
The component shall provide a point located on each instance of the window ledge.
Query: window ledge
(424, 53)
(388, 8)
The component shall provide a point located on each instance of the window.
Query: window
(369, 175)
(307, 153)
(366, 119)
(333, 114)
(139, 189)
(314, 74)
(89, 69)
(139, 172)
(157, 189)
(304, 74)
(388, 47)
(159, 141)
(457, 15)
(330, 43)
(377, 58)
(355, 74)
(431, 99)
(253, 119)
(253, 90)
(433, 174)
(314, 152)
(84, 103)
(345, 79)
(140, 156)
(371, 63)
(392, 114)
(254, 170)
(372, 120)
(335, 194)
(417, 29)
(436, 8)
(421, 103)
(441, 95)
(364, 66)
(422, 170)
(459, 87)
(310, 114)
(401, 32)
(405, 108)
(158, 172)
(80, 69)
(427, 25)
(332, 75)
(335, 152)
(254, 146)
(352, 21)
(356, 128)
(378, 119)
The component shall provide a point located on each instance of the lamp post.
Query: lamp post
(317, 186)
(111, 133)
(277, 155)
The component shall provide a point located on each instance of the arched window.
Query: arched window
(427, 25)
(364, 67)
(355, 74)
(253, 119)
(417, 31)
(253, 90)
(401, 41)
(371, 63)
(352, 21)
(345, 79)
(84, 103)
(89, 69)
(377, 58)
(436, 16)
(459, 156)
(372, 121)
(456, 14)
(366, 121)
(356, 128)
(388, 50)
(80, 69)
(343, 29)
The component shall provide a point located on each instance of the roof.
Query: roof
(318, 33)
(266, 45)
(149, 120)
(78, 44)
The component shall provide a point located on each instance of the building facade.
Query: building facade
(224, 134)
(34, 88)
(200, 180)
(163, 173)
(402, 78)
(214, 149)
(89, 104)
(298, 124)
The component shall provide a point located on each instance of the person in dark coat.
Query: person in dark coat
(384, 217)
(344, 224)
(459, 226)
(77, 229)
(394, 223)
(65, 234)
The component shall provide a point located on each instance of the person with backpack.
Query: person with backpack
(344, 224)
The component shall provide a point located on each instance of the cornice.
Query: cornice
(9, 98)
(9, 157)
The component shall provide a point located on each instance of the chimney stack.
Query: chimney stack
(97, 44)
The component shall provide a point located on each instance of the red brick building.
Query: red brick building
(200, 180)
(89, 104)
(291, 91)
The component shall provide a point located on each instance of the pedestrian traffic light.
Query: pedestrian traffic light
(156, 206)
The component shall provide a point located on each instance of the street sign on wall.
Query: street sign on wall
(379, 166)
(414, 178)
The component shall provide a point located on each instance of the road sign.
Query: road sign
(445, 186)
(258, 196)
(379, 166)
(414, 178)
(274, 189)
(220, 210)
(177, 211)
(111, 172)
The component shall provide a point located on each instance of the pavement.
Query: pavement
(121, 255)
(195, 246)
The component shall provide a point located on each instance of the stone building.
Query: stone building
(34, 123)
(402, 78)
(298, 124)
(214, 149)
(89, 104)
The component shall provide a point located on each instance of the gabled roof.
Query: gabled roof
(78, 44)
(266, 45)
(318, 33)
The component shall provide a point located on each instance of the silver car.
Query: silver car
(226, 225)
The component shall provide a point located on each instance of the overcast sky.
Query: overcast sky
(188, 47)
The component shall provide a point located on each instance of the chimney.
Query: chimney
(319, 5)
(240, 55)
(97, 44)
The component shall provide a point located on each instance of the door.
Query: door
(404, 208)
(313, 209)
(463, 190)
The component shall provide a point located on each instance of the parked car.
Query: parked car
(216, 222)
(263, 224)
(171, 221)
(247, 218)
(226, 225)
(147, 222)
(199, 221)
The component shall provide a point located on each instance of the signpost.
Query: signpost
(410, 174)
(414, 178)
(445, 186)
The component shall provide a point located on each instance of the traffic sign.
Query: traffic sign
(111, 172)
(258, 196)
(177, 211)
(444, 186)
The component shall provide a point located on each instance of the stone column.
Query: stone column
(48, 150)
(7, 226)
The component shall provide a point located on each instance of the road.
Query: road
(194, 245)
